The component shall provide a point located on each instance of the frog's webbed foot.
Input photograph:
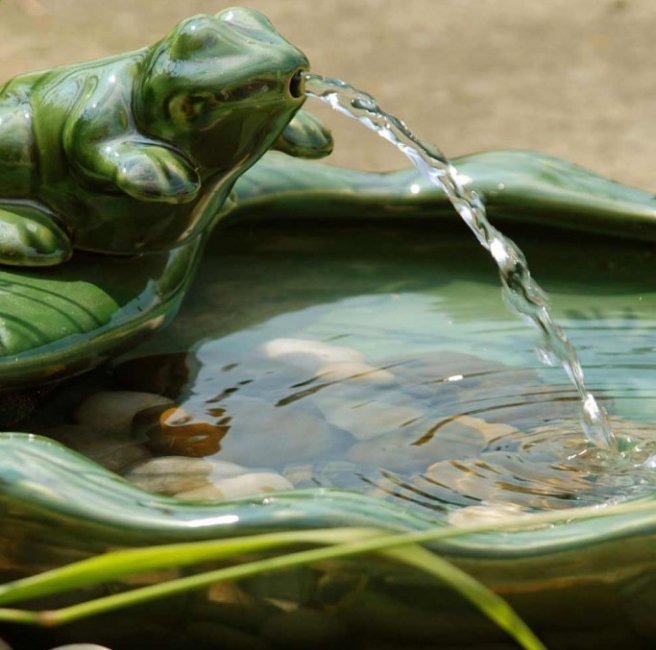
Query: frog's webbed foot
(153, 173)
(29, 236)
(146, 171)
(305, 137)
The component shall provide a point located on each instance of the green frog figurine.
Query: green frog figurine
(138, 152)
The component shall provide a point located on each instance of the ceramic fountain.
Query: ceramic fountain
(117, 177)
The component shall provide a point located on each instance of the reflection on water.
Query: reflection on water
(323, 359)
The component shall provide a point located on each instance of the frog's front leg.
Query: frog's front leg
(30, 236)
(143, 169)
(103, 146)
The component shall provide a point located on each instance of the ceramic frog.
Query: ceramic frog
(139, 151)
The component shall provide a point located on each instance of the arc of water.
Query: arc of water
(521, 292)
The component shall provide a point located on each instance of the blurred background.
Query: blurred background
(574, 79)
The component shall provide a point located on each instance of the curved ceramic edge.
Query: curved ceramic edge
(518, 186)
(46, 334)
(64, 495)
(126, 299)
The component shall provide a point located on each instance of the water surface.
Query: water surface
(381, 360)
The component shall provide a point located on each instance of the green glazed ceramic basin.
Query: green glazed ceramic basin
(57, 506)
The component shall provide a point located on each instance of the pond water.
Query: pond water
(379, 359)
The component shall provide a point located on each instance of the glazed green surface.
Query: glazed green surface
(54, 489)
(138, 152)
(526, 187)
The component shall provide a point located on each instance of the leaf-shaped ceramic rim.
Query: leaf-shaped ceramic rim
(77, 502)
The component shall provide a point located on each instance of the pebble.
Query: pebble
(264, 435)
(414, 449)
(172, 430)
(115, 452)
(202, 479)
(245, 485)
(301, 475)
(488, 513)
(310, 354)
(112, 411)
(172, 474)
(364, 415)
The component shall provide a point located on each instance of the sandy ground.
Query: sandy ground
(570, 77)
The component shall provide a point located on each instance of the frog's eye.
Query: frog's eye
(199, 34)
(251, 24)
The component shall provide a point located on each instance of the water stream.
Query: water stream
(521, 292)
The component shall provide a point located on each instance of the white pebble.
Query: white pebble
(489, 513)
(304, 352)
(171, 474)
(239, 486)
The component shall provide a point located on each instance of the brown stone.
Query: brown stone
(173, 431)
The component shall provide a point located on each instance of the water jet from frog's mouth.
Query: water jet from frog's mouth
(520, 291)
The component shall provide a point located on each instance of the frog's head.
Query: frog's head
(221, 88)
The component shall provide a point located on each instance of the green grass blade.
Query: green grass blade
(489, 603)
(484, 599)
(345, 541)
(118, 564)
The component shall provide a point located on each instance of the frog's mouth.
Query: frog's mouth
(297, 84)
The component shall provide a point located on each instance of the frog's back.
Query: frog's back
(18, 155)
(33, 113)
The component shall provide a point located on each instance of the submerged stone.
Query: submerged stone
(488, 513)
(414, 448)
(172, 474)
(172, 430)
(113, 451)
(113, 411)
(309, 354)
(265, 435)
(236, 487)
(365, 416)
